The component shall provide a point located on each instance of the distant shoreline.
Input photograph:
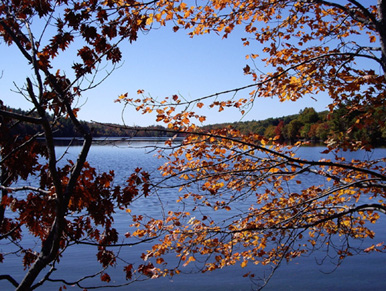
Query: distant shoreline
(104, 140)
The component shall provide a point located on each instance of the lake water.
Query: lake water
(356, 273)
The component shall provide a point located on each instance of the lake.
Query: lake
(356, 273)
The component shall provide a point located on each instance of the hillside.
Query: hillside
(308, 125)
(316, 127)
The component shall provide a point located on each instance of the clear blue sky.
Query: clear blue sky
(162, 63)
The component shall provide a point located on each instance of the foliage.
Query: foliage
(311, 48)
(69, 202)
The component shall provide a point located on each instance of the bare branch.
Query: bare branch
(25, 188)
(10, 279)
(20, 117)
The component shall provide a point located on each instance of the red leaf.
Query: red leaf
(105, 277)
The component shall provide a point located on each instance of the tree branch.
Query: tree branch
(10, 279)
(15, 38)
(373, 21)
(273, 77)
(24, 188)
(263, 149)
(20, 117)
(278, 225)
(117, 245)
(20, 147)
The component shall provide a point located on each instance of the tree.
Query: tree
(291, 130)
(308, 115)
(42, 31)
(311, 48)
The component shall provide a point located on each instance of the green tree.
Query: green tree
(308, 115)
(291, 130)
(270, 131)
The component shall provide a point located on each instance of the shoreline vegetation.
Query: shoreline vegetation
(308, 125)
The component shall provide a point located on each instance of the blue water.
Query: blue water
(355, 273)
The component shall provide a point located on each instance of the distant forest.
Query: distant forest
(308, 125)
(317, 127)
(64, 128)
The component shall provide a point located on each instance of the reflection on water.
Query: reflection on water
(356, 273)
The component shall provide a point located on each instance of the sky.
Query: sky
(162, 63)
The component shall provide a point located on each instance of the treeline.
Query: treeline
(317, 127)
(64, 128)
(308, 125)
